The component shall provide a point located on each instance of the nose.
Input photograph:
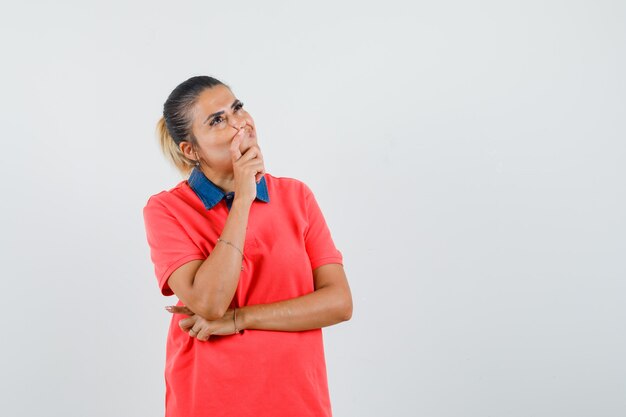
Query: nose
(238, 123)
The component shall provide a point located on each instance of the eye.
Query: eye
(216, 119)
(239, 106)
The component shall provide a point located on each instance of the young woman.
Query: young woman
(252, 262)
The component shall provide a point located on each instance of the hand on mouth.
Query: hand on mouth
(248, 139)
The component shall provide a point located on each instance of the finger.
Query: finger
(204, 334)
(260, 174)
(179, 310)
(235, 153)
(251, 153)
(253, 166)
(186, 324)
(258, 170)
(194, 330)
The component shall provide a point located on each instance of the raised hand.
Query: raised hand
(248, 167)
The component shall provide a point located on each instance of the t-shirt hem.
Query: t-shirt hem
(326, 260)
(165, 289)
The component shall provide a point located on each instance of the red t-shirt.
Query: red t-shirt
(258, 372)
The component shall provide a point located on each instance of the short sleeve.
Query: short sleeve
(317, 238)
(170, 245)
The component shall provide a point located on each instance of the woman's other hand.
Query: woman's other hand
(202, 329)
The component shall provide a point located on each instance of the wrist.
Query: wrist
(243, 318)
(240, 203)
(235, 321)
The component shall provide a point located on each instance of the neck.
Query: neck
(224, 180)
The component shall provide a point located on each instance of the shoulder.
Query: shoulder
(178, 194)
(286, 185)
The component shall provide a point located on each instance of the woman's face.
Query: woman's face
(217, 117)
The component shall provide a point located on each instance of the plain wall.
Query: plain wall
(468, 157)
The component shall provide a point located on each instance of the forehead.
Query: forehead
(213, 100)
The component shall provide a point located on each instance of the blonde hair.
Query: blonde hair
(171, 151)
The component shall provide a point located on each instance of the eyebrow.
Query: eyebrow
(221, 111)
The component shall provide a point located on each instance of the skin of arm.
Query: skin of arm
(329, 304)
(207, 287)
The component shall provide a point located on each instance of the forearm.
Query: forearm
(216, 280)
(323, 307)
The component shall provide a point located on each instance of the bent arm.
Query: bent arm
(207, 287)
(329, 304)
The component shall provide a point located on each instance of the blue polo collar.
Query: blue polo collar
(211, 194)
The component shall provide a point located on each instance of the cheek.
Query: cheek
(220, 155)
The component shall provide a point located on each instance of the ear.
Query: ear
(187, 150)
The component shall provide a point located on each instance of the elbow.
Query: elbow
(347, 313)
(343, 305)
(209, 310)
(346, 310)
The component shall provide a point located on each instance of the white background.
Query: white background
(468, 157)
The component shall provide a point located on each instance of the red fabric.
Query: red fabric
(257, 373)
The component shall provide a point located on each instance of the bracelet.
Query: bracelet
(219, 239)
(235, 320)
